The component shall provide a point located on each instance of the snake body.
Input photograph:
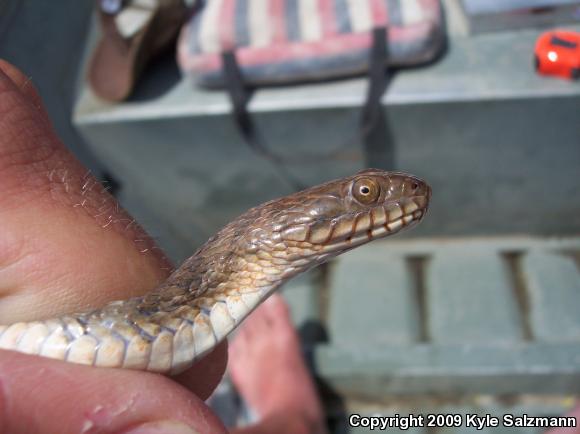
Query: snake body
(230, 275)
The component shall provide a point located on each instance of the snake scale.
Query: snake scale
(229, 276)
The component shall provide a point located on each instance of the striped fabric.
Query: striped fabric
(279, 41)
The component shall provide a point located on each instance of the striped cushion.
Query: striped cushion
(281, 41)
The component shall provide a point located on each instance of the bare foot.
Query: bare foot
(267, 367)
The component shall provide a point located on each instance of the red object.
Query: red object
(558, 53)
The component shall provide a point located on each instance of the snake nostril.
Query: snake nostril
(414, 186)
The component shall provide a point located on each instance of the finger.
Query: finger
(25, 85)
(202, 376)
(46, 396)
(65, 244)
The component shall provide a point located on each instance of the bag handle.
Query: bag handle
(379, 76)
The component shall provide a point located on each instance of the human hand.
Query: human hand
(66, 246)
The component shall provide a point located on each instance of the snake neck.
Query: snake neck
(227, 265)
(269, 244)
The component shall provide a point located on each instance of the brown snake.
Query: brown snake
(229, 276)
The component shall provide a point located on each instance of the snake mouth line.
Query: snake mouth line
(388, 228)
(375, 224)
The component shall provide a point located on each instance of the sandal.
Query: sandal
(133, 32)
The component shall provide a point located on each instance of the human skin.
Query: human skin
(280, 390)
(66, 245)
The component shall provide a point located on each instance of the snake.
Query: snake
(210, 294)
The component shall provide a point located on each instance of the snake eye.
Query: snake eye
(366, 191)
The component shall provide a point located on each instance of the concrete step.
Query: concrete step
(493, 315)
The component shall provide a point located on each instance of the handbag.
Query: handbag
(239, 45)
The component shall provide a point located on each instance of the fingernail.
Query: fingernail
(162, 427)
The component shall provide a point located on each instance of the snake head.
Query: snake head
(281, 238)
(306, 228)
